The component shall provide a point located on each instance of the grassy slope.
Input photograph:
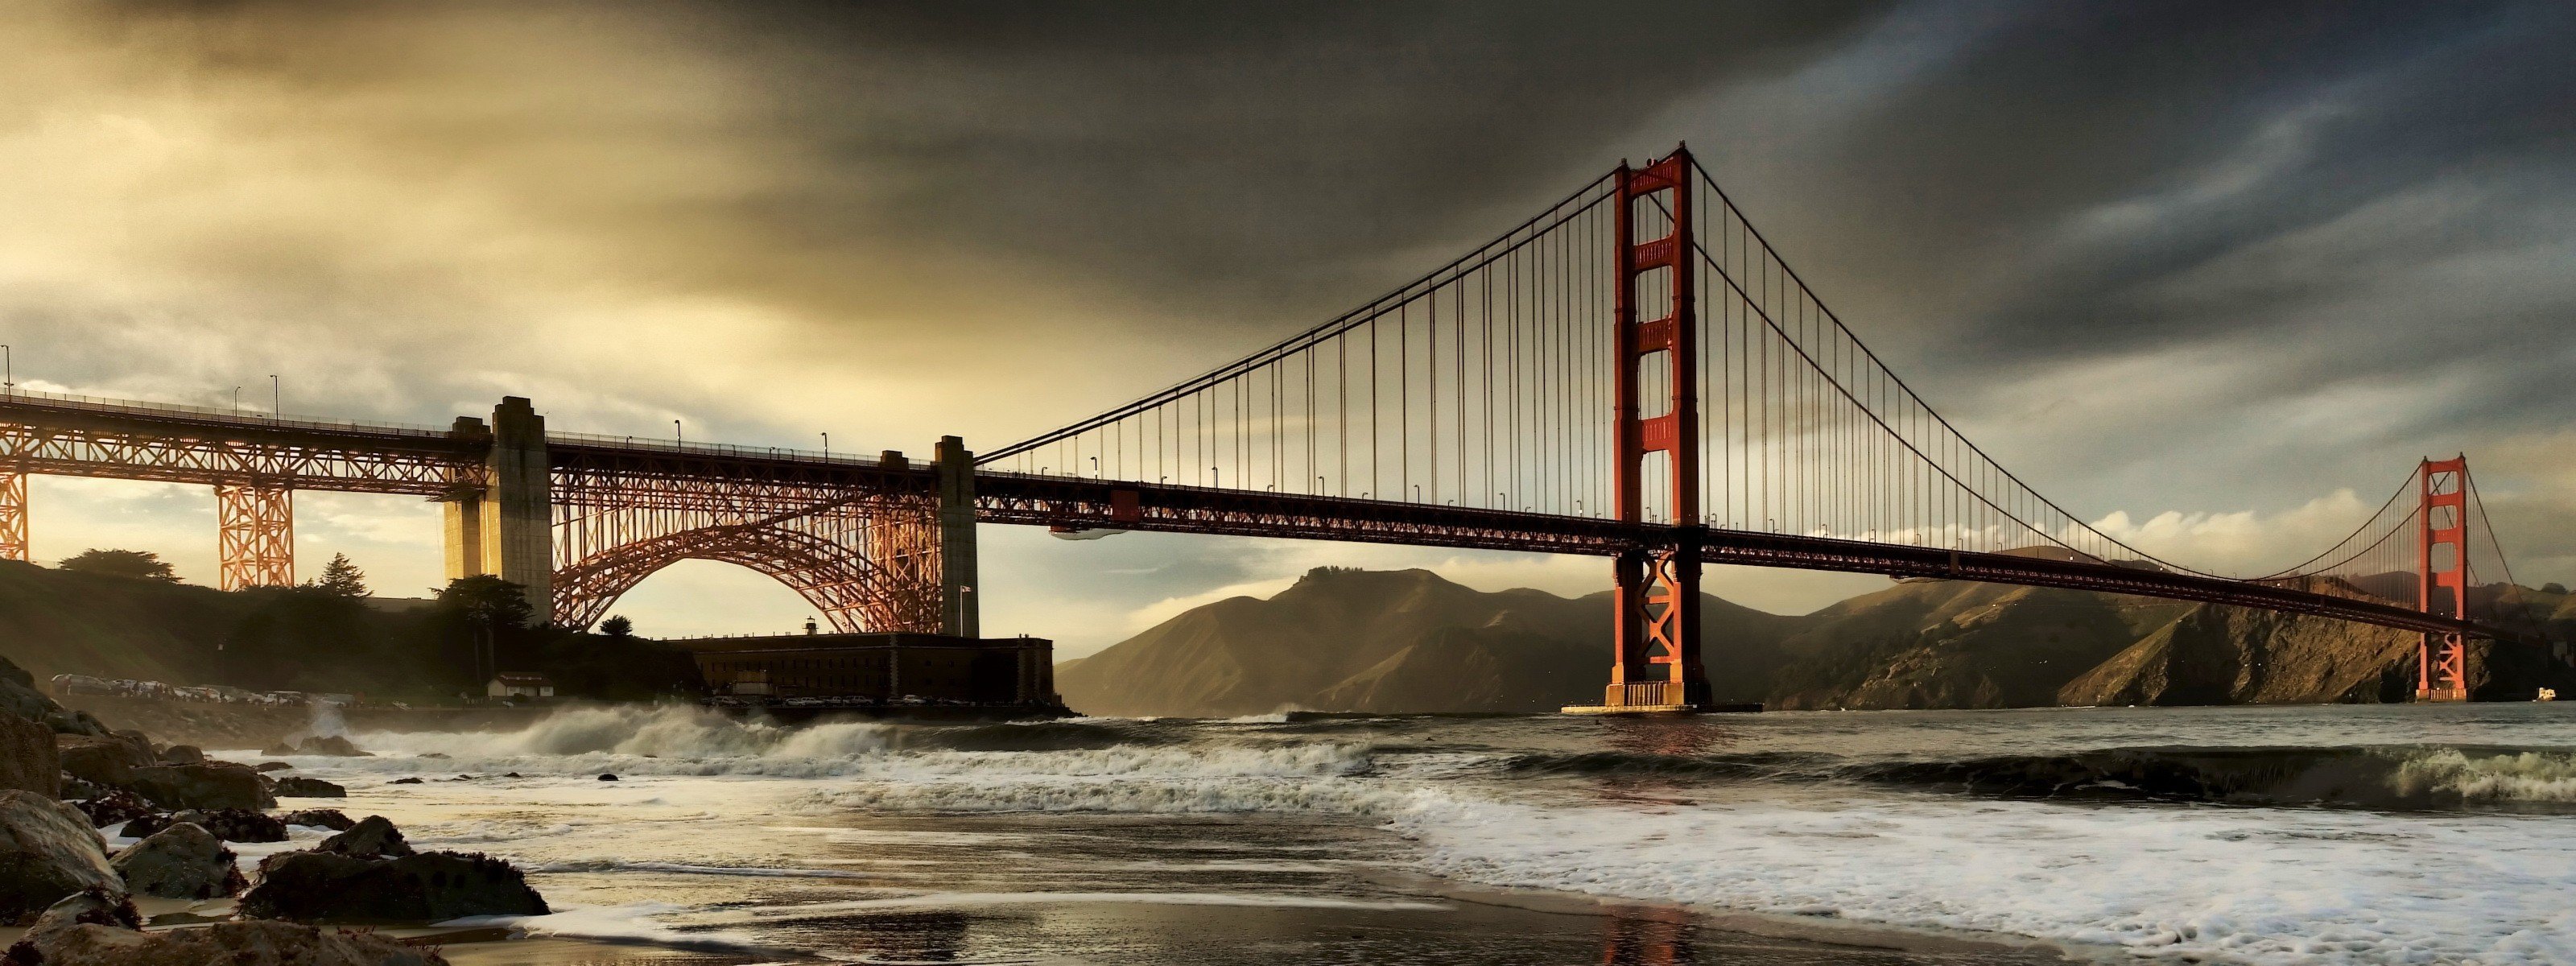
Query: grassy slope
(55, 622)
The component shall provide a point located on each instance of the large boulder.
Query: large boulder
(97, 929)
(28, 760)
(102, 759)
(293, 786)
(372, 837)
(213, 785)
(183, 861)
(228, 824)
(19, 696)
(183, 755)
(47, 851)
(428, 887)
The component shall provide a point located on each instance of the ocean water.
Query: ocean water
(2337, 835)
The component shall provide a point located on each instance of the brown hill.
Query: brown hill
(1379, 641)
(1354, 640)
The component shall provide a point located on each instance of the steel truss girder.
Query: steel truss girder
(310, 464)
(1094, 504)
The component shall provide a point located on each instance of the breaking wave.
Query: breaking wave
(2383, 777)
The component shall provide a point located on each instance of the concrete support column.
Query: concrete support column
(463, 526)
(517, 528)
(957, 611)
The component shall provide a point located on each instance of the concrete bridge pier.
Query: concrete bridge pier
(958, 613)
(505, 529)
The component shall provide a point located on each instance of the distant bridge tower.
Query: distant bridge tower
(1656, 614)
(2442, 522)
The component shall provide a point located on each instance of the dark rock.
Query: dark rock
(28, 759)
(91, 906)
(332, 745)
(48, 850)
(267, 766)
(291, 787)
(404, 781)
(278, 749)
(372, 837)
(99, 928)
(429, 887)
(229, 824)
(608, 778)
(215, 785)
(100, 760)
(329, 818)
(118, 805)
(183, 755)
(183, 861)
(73, 788)
(19, 696)
(433, 754)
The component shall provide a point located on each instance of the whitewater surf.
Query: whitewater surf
(2348, 835)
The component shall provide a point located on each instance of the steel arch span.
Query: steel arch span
(864, 551)
(852, 592)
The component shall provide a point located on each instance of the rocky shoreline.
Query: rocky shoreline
(93, 819)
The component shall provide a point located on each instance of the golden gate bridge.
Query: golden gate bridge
(1634, 374)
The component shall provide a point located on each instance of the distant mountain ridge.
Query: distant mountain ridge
(1411, 641)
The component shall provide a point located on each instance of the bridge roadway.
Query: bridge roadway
(1085, 503)
(144, 441)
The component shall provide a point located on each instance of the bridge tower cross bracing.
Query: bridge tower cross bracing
(13, 515)
(255, 535)
(2442, 521)
(1656, 634)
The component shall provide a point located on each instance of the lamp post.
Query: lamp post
(9, 370)
(276, 398)
(676, 437)
(827, 446)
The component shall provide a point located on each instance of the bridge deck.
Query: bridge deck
(1075, 502)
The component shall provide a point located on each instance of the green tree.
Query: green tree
(2555, 588)
(343, 578)
(490, 609)
(133, 564)
(617, 626)
(487, 600)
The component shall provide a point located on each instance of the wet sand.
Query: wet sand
(1463, 926)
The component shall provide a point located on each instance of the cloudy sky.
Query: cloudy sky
(2215, 274)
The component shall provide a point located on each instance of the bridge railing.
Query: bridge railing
(137, 407)
(644, 444)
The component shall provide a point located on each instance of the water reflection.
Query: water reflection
(1646, 936)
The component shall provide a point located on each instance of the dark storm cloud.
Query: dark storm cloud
(2080, 180)
(2199, 256)
(1261, 157)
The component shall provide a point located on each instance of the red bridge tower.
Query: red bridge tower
(1656, 665)
(2442, 661)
